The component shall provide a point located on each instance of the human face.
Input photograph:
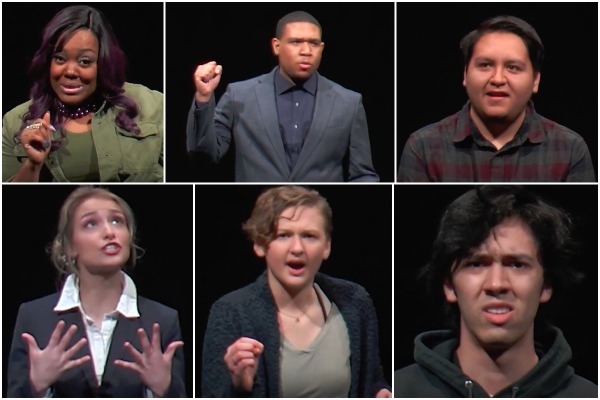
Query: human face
(299, 50)
(74, 70)
(500, 78)
(300, 246)
(502, 275)
(100, 240)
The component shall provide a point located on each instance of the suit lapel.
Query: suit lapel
(323, 108)
(125, 331)
(73, 317)
(265, 94)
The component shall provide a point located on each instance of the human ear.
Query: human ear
(275, 43)
(449, 292)
(259, 250)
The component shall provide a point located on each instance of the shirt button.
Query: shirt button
(52, 163)
(106, 155)
(296, 126)
(296, 104)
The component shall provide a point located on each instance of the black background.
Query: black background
(358, 54)
(430, 63)
(137, 26)
(360, 252)
(418, 211)
(164, 274)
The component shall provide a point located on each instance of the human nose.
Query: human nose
(109, 231)
(496, 279)
(296, 247)
(498, 77)
(71, 70)
(305, 48)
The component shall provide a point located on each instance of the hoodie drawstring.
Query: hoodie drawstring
(469, 386)
(515, 390)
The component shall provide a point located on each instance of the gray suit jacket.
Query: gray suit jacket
(248, 113)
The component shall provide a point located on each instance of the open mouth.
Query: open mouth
(111, 249)
(497, 95)
(296, 267)
(498, 314)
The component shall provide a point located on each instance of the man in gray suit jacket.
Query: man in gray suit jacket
(290, 125)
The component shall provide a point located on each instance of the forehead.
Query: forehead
(512, 236)
(302, 216)
(501, 45)
(81, 39)
(96, 204)
(300, 30)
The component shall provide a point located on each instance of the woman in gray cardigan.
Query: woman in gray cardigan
(294, 332)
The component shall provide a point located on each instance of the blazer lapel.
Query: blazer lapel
(73, 317)
(125, 331)
(265, 94)
(323, 108)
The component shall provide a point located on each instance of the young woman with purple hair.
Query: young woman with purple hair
(83, 122)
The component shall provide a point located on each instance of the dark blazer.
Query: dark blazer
(251, 312)
(247, 112)
(39, 320)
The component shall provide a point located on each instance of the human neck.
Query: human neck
(100, 294)
(494, 370)
(297, 82)
(293, 302)
(499, 133)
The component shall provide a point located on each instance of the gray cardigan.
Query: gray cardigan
(251, 312)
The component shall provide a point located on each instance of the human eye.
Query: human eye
(59, 58)
(85, 62)
(514, 68)
(117, 220)
(484, 64)
(90, 223)
(283, 235)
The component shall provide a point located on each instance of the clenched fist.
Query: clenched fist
(242, 361)
(206, 79)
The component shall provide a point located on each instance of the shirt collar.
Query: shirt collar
(282, 85)
(531, 125)
(127, 306)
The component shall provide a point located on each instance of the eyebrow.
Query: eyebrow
(511, 61)
(112, 210)
(308, 40)
(515, 256)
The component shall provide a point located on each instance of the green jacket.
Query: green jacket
(122, 156)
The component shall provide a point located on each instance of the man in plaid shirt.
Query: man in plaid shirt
(498, 136)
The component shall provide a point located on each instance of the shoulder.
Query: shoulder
(415, 381)
(438, 130)
(579, 387)
(46, 303)
(155, 309)
(249, 83)
(342, 289)
(339, 89)
(558, 133)
(243, 297)
(13, 119)
(150, 101)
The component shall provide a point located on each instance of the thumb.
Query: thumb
(47, 117)
(218, 70)
(30, 341)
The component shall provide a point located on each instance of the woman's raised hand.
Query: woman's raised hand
(46, 366)
(36, 139)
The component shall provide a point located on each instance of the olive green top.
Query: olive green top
(121, 156)
(323, 368)
(77, 157)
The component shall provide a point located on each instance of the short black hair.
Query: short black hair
(296, 16)
(468, 221)
(509, 24)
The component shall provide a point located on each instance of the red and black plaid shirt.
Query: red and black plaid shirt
(453, 150)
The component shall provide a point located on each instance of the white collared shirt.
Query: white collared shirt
(99, 337)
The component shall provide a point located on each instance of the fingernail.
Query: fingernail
(53, 128)
(46, 143)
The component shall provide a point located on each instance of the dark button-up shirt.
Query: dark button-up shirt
(453, 150)
(295, 106)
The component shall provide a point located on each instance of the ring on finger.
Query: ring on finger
(33, 126)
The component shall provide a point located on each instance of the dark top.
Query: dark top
(453, 150)
(295, 106)
(437, 373)
(39, 319)
(251, 312)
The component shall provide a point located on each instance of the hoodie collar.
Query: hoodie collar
(435, 351)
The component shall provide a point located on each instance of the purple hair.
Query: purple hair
(111, 68)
